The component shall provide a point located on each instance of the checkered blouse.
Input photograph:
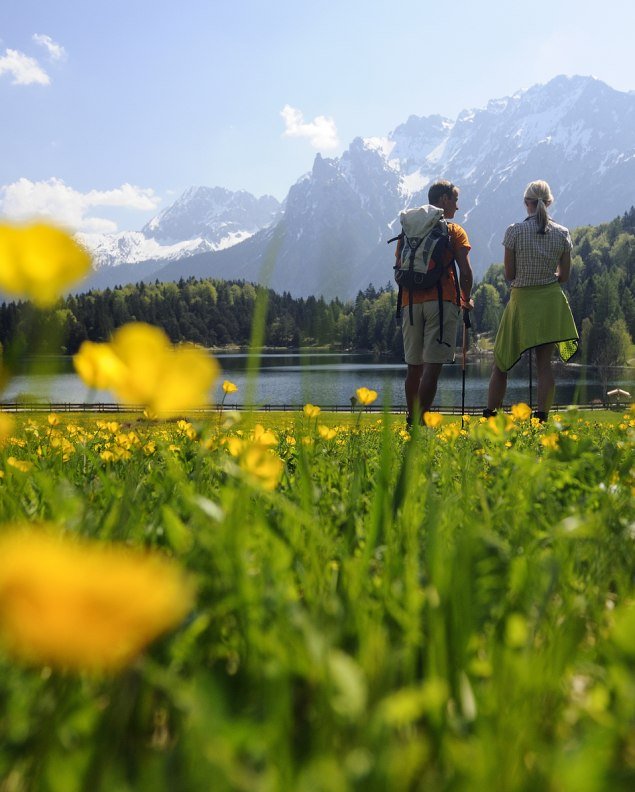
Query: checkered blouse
(537, 255)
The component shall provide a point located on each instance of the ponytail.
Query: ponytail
(542, 217)
(539, 192)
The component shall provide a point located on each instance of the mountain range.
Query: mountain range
(329, 235)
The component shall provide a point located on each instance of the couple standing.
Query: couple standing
(537, 260)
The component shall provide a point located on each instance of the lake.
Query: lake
(293, 378)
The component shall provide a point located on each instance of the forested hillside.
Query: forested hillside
(219, 313)
(212, 313)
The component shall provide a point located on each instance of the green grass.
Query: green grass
(450, 611)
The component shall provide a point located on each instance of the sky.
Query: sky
(110, 110)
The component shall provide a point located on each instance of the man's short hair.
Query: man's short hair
(441, 188)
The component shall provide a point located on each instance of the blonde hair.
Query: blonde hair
(539, 192)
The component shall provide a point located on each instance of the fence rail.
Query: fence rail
(106, 407)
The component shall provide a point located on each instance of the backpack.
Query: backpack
(421, 256)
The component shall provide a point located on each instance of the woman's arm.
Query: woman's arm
(563, 269)
(510, 264)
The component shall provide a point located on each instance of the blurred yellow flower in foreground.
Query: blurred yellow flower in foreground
(521, 411)
(311, 411)
(262, 465)
(98, 365)
(39, 261)
(84, 606)
(365, 395)
(432, 419)
(229, 387)
(7, 425)
(140, 366)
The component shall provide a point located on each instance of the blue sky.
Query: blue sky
(110, 110)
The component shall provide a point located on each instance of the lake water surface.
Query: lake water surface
(331, 379)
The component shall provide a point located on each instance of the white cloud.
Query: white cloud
(321, 132)
(55, 50)
(55, 200)
(25, 70)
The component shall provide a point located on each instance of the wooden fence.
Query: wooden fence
(106, 407)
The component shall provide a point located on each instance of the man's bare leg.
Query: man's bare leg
(428, 385)
(413, 379)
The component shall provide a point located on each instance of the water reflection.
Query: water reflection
(328, 378)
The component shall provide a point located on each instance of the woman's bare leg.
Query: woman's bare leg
(497, 388)
(546, 382)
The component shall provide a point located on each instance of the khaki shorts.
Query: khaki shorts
(420, 339)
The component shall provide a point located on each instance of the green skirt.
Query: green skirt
(535, 315)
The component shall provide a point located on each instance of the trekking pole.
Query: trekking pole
(466, 325)
(530, 382)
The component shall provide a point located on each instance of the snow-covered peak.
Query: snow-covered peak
(212, 213)
(132, 247)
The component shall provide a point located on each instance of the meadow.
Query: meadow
(303, 603)
(366, 610)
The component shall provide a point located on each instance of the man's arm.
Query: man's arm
(466, 279)
(510, 264)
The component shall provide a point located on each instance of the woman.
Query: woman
(537, 261)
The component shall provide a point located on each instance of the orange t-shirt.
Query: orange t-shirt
(458, 240)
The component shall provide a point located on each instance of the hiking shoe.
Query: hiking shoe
(487, 413)
(541, 416)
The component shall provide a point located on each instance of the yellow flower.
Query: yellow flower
(235, 445)
(311, 411)
(326, 433)
(432, 419)
(365, 395)
(521, 411)
(107, 456)
(98, 366)
(262, 465)
(549, 441)
(141, 367)
(263, 436)
(84, 606)
(66, 447)
(187, 429)
(110, 426)
(19, 464)
(53, 419)
(229, 387)
(39, 261)
(7, 425)
(451, 431)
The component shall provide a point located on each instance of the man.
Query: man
(423, 352)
